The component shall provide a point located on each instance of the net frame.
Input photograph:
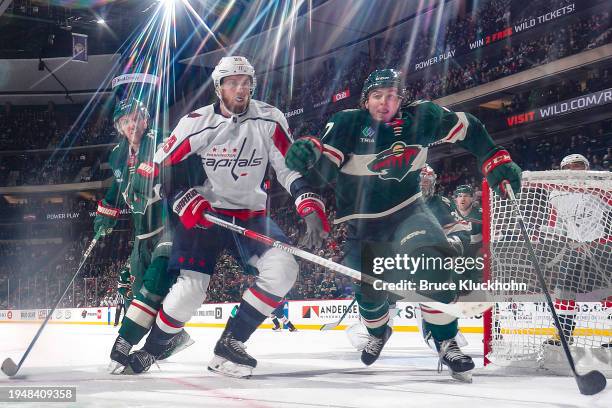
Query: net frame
(516, 329)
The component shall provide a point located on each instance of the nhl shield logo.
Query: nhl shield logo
(395, 162)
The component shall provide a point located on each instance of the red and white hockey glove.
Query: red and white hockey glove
(499, 169)
(190, 207)
(310, 207)
(106, 218)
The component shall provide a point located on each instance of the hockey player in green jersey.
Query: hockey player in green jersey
(436, 325)
(134, 187)
(124, 292)
(468, 212)
(374, 156)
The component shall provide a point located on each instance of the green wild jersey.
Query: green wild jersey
(474, 219)
(124, 282)
(148, 213)
(452, 225)
(376, 165)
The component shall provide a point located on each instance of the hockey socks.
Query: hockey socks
(375, 317)
(164, 329)
(441, 332)
(138, 319)
(246, 321)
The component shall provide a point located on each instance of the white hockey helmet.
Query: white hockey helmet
(574, 158)
(233, 65)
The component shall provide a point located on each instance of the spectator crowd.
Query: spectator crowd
(36, 268)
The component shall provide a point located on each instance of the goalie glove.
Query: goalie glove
(190, 207)
(106, 218)
(303, 154)
(499, 168)
(311, 208)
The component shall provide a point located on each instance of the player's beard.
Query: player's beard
(234, 106)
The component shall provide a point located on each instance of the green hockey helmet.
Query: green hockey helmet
(128, 106)
(464, 189)
(382, 78)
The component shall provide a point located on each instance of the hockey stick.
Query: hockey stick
(460, 309)
(333, 325)
(8, 366)
(591, 382)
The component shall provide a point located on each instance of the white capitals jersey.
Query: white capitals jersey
(235, 153)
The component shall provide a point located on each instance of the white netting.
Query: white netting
(568, 215)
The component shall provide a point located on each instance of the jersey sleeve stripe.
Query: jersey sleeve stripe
(459, 131)
(281, 139)
(333, 154)
(180, 153)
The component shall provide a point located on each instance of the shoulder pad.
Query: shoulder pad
(180, 133)
(263, 105)
(419, 102)
(115, 157)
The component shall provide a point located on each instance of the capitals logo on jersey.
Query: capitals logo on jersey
(219, 157)
(395, 162)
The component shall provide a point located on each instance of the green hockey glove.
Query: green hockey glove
(303, 154)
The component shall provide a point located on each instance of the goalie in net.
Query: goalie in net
(569, 218)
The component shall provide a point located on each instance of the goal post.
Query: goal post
(568, 215)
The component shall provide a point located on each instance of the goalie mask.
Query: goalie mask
(574, 162)
(428, 181)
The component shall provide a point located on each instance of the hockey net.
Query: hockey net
(568, 215)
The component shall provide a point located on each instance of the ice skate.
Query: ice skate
(459, 363)
(230, 358)
(373, 348)
(120, 355)
(178, 343)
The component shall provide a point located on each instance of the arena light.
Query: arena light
(166, 3)
(101, 21)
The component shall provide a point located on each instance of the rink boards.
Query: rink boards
(309, 314)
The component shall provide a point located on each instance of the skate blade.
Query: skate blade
(180, 348)
(465, 377)
(115, 368)
(128, 370)
(225, 367)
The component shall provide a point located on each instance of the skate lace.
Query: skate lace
(146, 359)
(451, 351)
(374, 345)
(238, 346)
(123, 346)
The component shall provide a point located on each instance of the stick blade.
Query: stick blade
(591, 383)
(329, 326)
(9, 367)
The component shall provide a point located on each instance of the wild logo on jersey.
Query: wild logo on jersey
(395, 162)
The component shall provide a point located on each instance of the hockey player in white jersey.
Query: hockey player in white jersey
(234, 141)
(580, 221)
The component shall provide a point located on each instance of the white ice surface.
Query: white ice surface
(304, 369)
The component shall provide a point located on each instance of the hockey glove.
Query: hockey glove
(106, 218)
(303, 154)
(190, 207)
(142, 181)
(499, 168)
(311, 208)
